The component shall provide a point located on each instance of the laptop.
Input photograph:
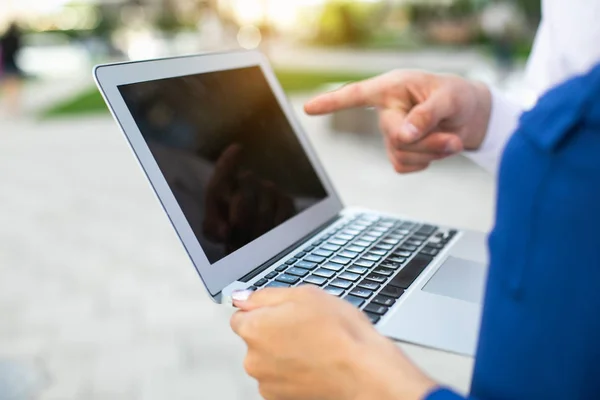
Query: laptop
(254, 208)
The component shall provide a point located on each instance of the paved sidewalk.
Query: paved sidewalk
(97, 294)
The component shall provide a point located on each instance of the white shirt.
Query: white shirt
(567, 44)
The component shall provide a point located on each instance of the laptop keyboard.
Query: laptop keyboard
(369, 261)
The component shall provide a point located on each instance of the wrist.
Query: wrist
(481, 118)
(385, 373)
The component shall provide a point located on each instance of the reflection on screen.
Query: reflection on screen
(227, 152)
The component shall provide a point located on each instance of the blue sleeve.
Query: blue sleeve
(445, 394)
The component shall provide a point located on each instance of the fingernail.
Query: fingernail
(453, 147)
(410, 131)
(241, 295)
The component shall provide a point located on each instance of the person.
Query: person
(10, 73)
(540, 327)
(427, 117)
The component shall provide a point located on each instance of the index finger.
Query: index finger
(367, 93)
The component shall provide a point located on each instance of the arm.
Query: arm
(287, 331)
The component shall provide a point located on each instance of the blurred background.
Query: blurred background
(97, 297)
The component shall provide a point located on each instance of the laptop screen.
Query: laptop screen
(228, 153)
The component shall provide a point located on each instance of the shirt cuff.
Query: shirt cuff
(504, 120)
(443, 394)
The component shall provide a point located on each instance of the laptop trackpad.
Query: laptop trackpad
(460, 279)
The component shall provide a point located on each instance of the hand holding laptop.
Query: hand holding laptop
(320, 366)
(424, 117)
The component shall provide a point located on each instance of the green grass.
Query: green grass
(90, 101)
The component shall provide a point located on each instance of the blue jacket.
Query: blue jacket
(540, 335)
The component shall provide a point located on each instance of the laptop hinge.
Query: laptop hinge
(288, 250)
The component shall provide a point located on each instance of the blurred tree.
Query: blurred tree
(346, 23)
(532, 9)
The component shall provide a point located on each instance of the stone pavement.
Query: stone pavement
(97, 297)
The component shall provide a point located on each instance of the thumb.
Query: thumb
(248, 301)
(425, 117)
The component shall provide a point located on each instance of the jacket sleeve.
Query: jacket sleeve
(446, 394)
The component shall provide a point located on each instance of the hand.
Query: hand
(424, 117)
(240, 206)
(304, 344)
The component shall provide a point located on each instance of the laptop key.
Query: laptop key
(385, 246)
(306, 265)
(378, 252)
(396, 259)
(341, 260)
(261, 282)
(377, 278)
(419, 237)
(281, 268)
(333, 266)
(402, 254)
(391, 241)
(383, 271)
(370, 285)
(349, 276)
(411, 271)
(331, 247)
(360, 292)
(429, 252)
(355, 301)
(300, 254)
(392, 291)
(322, 253)
(394, 236)
(362, 243)
(315, 259)
(364, 263)
(291, 261)
(390, 264)
(309, 249)
(338, 242)
(355, 269)
(349, 254)
(408, 247)
(381, 228)
(355, 248)
(371, 257)
(384, 300)
(341, 283)
(427, 230)
(352, 232)
(301, 272)
(368, 238)
(276, 284)
(345, 237)
(413, 242)
(289, 279)
(336, 291)
(271, 275)
(374, 318)
(315, 280)
(376, 309)
(325, 273)
(437, 246)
